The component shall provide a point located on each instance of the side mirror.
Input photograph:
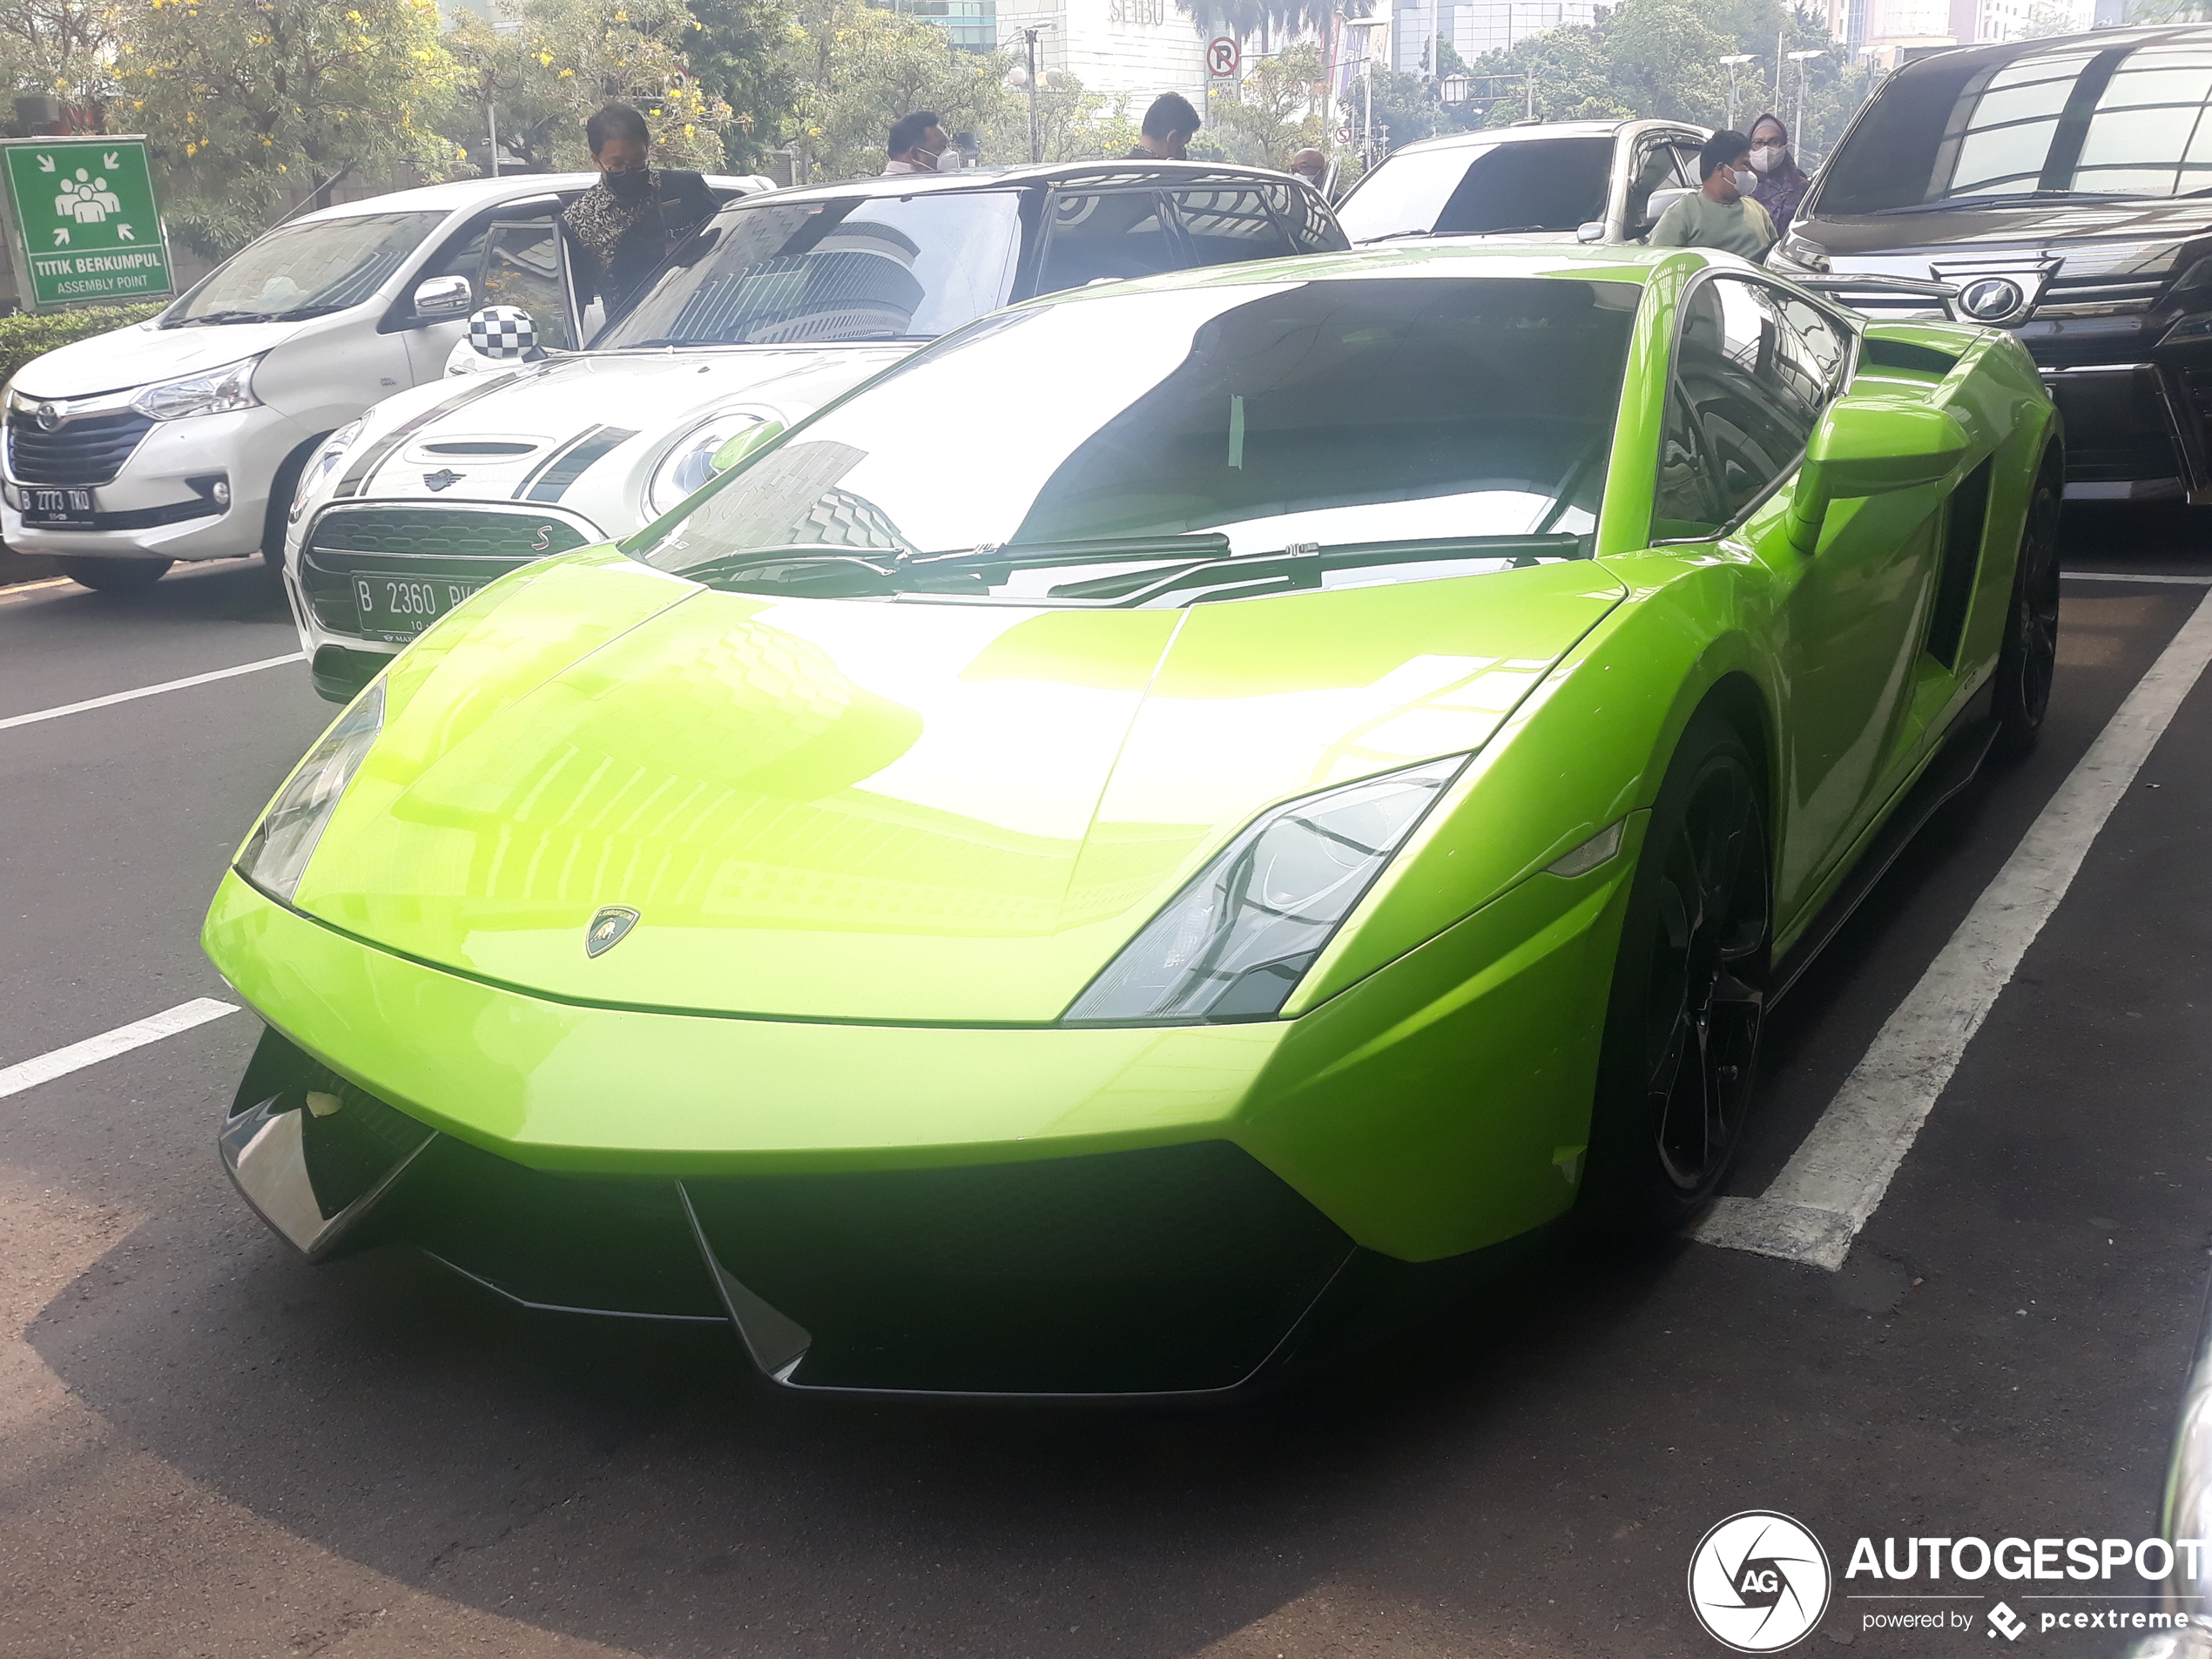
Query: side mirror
(443, 296)
(1871, 446)
(1660, 202)
(1590, 231)
(504, 333)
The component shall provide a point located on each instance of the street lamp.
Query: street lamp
(1456, 89)
(1732, 60)
(1797, 129)
(1025, 75)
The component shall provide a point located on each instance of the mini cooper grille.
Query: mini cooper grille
(451, 532)
(90, 449)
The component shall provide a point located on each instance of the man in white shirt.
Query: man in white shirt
(917, 143)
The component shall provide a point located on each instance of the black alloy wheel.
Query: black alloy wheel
(1688, 993)
(2029, 657)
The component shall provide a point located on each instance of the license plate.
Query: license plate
(397, 608)
(58, 507)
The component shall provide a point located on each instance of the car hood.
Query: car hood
(1967, 230)
(639, 399)
(141, 353)
(837, 809)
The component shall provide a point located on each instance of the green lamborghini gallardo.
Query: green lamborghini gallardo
(1167, 803)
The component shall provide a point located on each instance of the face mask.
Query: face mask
(949, 161)
(1746, 183)
(1770, 159)
(628, 185)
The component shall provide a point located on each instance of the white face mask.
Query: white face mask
(1769, 159)
(1746, 183)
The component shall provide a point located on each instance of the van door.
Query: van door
(526, 264)
(430, 341)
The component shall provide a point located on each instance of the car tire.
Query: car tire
(1682, 1027)
(2029, 657)
(278, 519)
(113, 576)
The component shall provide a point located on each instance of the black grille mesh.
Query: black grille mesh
(90, 449)
(452, 532)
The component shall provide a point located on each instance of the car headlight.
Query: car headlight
(214, 391)
(318, 470)
(275, 856)
(1796, 253)
(1238, 938)
(699, 456)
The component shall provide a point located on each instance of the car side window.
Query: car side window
(1684, 503)
(1752, 390)
(1226, 227)
(1655, 169)
(1106, 233)
(1825, 340)
(1312, 229)
(463, 252)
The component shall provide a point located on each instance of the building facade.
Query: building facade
(1137, 48)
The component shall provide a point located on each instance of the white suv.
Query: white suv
(183, 437)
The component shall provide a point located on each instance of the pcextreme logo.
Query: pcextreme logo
(1759, 1581)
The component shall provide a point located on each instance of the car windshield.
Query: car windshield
(304, 270)
(2076, 120)
(1534, 185)
(1196, 443)
(865, 267)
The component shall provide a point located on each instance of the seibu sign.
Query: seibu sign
(82, 223)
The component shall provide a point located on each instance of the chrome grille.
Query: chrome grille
(88, 450)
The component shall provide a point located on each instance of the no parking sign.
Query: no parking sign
(1223, 58)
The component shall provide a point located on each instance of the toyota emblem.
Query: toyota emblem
(1991, 298)
(50, 415)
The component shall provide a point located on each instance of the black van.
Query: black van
(2063, 188)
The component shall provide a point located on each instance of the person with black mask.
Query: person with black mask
(620, 229)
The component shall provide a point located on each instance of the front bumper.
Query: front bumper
(337, 544)
(1035, 1210)
(158, 500)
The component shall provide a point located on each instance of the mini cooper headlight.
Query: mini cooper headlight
(318, 470)
(213, 391)
(1235, 941)
(699, 456)
(276, 854)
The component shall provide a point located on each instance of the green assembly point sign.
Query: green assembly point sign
(85, 225)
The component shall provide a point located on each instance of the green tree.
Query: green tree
(253, 103)
(742, 56)
(553, 61)
(1276, 113)
(857, 68)
(65, 48)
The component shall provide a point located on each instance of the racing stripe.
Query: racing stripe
(551, 481)
(358, 475)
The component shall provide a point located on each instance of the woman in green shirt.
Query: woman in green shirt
(1721, 214)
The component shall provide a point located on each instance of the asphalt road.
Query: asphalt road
(207, 1448)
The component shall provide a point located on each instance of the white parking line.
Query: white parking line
(1827, 1191)
(29, 1074)
(114, 697)
(2116, 575)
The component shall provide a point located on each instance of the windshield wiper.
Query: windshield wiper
(854, 571)
(1301, 566)
(1391, 236)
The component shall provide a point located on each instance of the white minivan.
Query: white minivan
(183, 436)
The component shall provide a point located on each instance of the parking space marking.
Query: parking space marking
(1837, 1178)
(19, 591)
(2129, 575)
(59, 1063)
(114, 697)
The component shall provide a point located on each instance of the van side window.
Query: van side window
(1107, 233)
(1225, 225)
(463, 252)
